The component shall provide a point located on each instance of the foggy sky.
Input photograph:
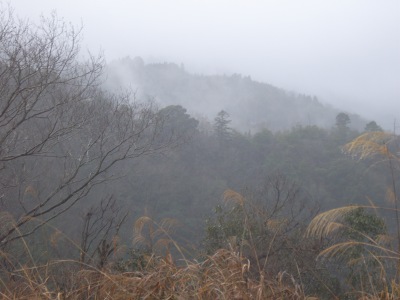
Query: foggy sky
(345, 52)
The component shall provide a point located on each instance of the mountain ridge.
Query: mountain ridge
(252, 105)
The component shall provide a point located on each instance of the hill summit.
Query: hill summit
(251, 105)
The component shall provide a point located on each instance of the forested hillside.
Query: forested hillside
(252, 105)
(235, 190)
(187, 182)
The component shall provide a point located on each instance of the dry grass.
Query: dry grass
(376, 261)
(328, 222)
(224, 275)
(370, 144)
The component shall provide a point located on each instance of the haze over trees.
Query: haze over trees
(137, 201)
(252, 105)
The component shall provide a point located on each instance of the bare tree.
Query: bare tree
(101, 225)
(60, 135)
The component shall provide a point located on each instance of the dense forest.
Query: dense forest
(184, 187)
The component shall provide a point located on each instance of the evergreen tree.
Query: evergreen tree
(221, 126)
(342, 121)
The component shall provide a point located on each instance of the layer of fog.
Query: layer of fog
(346, 53)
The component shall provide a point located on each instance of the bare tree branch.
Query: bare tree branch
(60, 135)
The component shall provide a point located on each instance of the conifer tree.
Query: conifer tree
(221, 126)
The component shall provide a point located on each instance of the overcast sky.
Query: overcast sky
(345, 52)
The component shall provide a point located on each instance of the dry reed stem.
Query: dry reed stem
(328, 222)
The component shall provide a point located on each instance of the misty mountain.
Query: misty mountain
(251, 105)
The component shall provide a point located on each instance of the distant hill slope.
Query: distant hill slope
(252, 105)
